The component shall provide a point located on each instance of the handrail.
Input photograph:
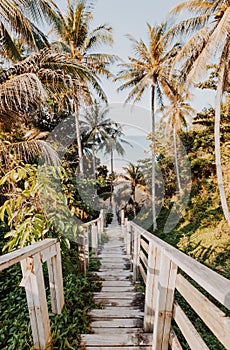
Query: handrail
(31, 259)
(158, 263)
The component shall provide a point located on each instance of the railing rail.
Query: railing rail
(160, 266)
(31, 259)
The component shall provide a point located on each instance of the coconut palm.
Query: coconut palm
(74, 36)
(209, 40)
(149, 69)
(17, 19)
(97, 127)
(136, 179)
(176, 116)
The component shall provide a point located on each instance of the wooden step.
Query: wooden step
(117, 348)
(117, 339)
(116, 312)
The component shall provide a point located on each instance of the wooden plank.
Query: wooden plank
(48, 253)
(116, 283)
(112, 295)
(118, 323)
(151, 287)
(116, 312)
(165, 298)
(215, 284)
(56, 281)
(117, 330)
(212, 316)
(190, 333)
(16, 256)
(143, 273)
(136, 250)
(116, 302)
(117, 348)
(114, 340)
(122, 289)
(145, 245)
(174, 342)
(37, 304)
(144, 259)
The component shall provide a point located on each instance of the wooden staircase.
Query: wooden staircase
(119, 324)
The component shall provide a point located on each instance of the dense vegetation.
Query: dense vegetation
(54, 120)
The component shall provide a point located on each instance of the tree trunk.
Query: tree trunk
(78, 137)
(176, 159)
(217, 144)
(93, 159)
(153, 160)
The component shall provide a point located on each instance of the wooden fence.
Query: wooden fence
(31, 259)
(165, 269)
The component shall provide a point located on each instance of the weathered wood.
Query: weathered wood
(205, 277)
(150, 291)
(117, 348)
(94, 238)
(16, 256)
(114, 340)
(174, 342)
(117, 302)
(36, 300)
(56, 281)
(118, 323)
(164, 297)
(122, 289)
(190, 333)
(118, 330)
(214, 318)
(117, 283)
(136, 256)
(143, 273)
(116, 312)
(113, 295)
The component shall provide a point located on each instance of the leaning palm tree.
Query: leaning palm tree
(149, 69)
(176, 116)
(74, 36)
(209, 29)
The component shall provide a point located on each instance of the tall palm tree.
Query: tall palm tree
(209, 28)
(150, 69)
(17, 19)
(136, 179)
(97, 127)
(176, 116)
(74, 36)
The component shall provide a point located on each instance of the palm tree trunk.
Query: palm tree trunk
(217, 144)
(78, 137)
(176, 159)
(153, 159)
(93, 159)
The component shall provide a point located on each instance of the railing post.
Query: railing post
(33, 281)
(122, 217)
(94, 236)
(164, 305)
(56, 281)
(81, 251)
(128, 238)
(102, 216)
(151, 286)
(136, 254)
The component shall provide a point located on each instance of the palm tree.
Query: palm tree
(176, 115)
(210, 26)
(150, 68)
(74, 37)
(97, 127)
(17, 19)
(136, 179)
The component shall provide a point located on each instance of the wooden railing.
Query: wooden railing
(163, 268)
(90, 238)
(31, 259)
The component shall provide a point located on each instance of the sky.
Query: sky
(131, 17)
